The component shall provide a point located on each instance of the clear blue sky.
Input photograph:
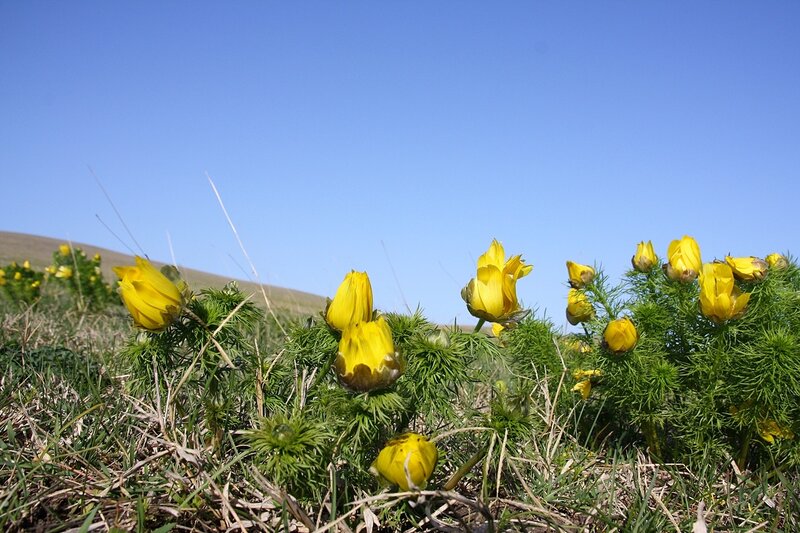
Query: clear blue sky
(404, 136)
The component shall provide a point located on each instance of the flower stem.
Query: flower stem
(465, 468)
(744, 451)
(651, 437)
(479, 325)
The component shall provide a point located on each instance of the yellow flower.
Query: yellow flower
(51, 270)
(720, 298)
(35, 284)
(584, 387)
(777, 261)
(367, 359)
(684, 260)
(64, 249)
(645, 257)
(152, 299)
(584, 384)
(492, 294)
(26, 265)
(352, 303)
(64, 272)
(96, 258)
(579, 275)
(407, 461)
(769, 429)
(620, 335)
(577, 345)
(586, 374)
(579, 309)
(747, 268)
(17, 275)
(497, 329)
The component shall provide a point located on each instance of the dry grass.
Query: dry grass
(79, 453)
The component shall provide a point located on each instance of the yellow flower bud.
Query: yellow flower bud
(96, 258)
(579, 275)
(2, 277)
(684, 263)
(17, 276)
(367, 359)
(769, 429)
(777, 261)
(152, 299)
(64, 249)
(64, 272)
(620, 335)
(51, 269)
(492, 294)
(579, 309)
(645, 257)
(352, 303)
(35, 284)
(26, 265)
(747, 268)
(720, 298)
(406, 461)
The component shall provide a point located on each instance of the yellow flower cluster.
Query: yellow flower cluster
(367, 359)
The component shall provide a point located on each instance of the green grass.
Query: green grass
(79, 451)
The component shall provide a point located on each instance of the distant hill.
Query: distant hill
(39, 251)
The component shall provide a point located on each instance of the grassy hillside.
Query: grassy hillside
(39, 251)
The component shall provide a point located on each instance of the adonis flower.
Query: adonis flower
(579, 275)
(620, 335)
(747, 268)
(684, 263)
(645, 257)
(406, 461)
(352, 303)
(584, 384)
(152, 299)
(579, 309)
(492, 294)
(777, 261)
(367, 359)
(769, 429)
(720, 298)
(64, 272)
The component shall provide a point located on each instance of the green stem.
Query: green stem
(601, 298)
(479, 325)
(465, 468)
(744, 451)
(651, 437)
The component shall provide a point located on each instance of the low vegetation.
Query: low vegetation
(165, 407)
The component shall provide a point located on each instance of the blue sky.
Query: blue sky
(401, 137)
